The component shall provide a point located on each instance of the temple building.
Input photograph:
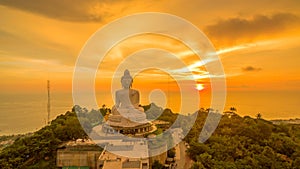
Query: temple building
(78, 154)
(109, 158)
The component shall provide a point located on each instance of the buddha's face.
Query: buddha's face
(126, 83)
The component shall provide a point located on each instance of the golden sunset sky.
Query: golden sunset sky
(257, 41)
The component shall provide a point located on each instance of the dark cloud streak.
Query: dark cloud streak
(68, 10)
(250, 69)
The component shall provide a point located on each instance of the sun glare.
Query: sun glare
(199, 87)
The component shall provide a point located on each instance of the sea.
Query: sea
(27, 112)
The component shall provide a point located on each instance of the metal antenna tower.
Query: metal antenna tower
(168, 97)
(48, 105)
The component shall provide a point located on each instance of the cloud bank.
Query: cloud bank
(240, 30)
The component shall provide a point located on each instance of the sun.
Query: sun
(199, 87)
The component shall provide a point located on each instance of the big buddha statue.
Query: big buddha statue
(127, 116)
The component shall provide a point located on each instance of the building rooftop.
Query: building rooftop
(112, 147)
(80, 145)
(112, 164)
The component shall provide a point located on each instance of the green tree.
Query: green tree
(296, 163)
(157, 165)
(171, 153)
(206, 159)
(197, 165)
(233, 109)
(258, 116)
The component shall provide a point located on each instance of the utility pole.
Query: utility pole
(48, 105)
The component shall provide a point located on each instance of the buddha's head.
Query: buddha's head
(126, 80)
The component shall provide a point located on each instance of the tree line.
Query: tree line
(245, 142)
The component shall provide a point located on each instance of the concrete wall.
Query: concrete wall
(77, 158)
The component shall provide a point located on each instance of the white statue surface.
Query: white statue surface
(127, 101)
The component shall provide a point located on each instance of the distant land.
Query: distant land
(290, 121)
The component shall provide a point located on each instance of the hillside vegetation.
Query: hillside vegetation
(244, 142)
(38, 150)
(238, 142)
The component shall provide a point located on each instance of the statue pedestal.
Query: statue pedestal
(122, 125)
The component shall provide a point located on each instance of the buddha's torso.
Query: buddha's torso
(127, 98)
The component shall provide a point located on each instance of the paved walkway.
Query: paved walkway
(185, 162)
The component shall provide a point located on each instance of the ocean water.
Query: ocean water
(22, 113)
(272, 105)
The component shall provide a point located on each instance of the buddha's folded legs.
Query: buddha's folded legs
(133, 114)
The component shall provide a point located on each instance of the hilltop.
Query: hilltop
(238, 142)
